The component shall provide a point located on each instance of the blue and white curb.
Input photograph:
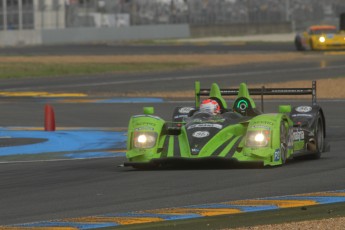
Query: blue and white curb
(189, 212)
(71, 143)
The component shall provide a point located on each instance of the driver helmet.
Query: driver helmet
(210, 106)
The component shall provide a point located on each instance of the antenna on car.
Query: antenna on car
(314, 102)
(262, 98)
(197, 94)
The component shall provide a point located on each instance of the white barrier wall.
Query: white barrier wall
(85, 35)
(17, 38)
(76, 35)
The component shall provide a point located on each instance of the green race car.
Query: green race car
(240, 134)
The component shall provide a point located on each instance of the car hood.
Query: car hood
(202, 130)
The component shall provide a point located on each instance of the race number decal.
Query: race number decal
(277, 155)
(291, 139)
(201, 134)
(298, 135)
(303, 109)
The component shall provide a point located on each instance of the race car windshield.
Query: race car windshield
(323, 31)
(200, 117)
(206, 117)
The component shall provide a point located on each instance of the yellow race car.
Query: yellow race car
(320, 37)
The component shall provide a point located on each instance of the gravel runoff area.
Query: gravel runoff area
(331, 223)
(203, 60)
(330, 88)
(283, 37)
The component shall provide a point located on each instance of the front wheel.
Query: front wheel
(283, 142)
(298, 44)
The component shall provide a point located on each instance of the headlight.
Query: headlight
(144, 140)
(257, 138)
(322, 39)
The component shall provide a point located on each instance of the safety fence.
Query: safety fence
(54, 14)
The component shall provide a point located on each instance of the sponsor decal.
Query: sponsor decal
(260, 127)
(154, 117)
(200, 134)
(180, 116)
(303, 109)
(302, 115)
(287, 91)
(217, 126)
(185, 110)
(298, 135)
(263, 122)
(277, 155)
(216, 119)
(195, 150)
(145, 124)
(144, 128)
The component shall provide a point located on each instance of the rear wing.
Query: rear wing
(259, 91)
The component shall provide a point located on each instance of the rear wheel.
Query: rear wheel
(319, 138)
(311, 44)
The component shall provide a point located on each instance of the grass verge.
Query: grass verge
(53, 66)
(31, 69)
(47, 66)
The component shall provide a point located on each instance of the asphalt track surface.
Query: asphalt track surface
(37, 191)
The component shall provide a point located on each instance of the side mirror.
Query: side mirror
(285, 109)
(149, 110)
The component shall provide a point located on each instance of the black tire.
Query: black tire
(283, 142)
(311, 44)
(319, 138)
(298, 44)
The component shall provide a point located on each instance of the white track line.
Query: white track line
(69, 85)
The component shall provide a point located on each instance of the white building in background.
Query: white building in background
(49, 14)
(32, 14)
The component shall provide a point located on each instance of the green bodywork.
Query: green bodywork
(228, 139)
